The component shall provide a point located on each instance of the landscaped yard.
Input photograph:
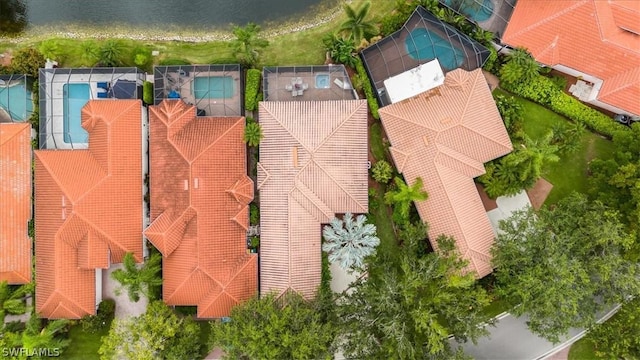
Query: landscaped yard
(84, 345)
(570, 173)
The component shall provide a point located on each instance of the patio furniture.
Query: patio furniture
(289, 87)
(305, 86)
(103, 85)
(173, 95)
(102, 95)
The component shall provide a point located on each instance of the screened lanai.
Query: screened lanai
(421, 39)
(64, 92)
(215, 90)
(301, 83)
(16, 104)
(490, 15)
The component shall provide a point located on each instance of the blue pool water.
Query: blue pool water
(213, 87)
(75, 97)
(16, 100)
(423, 44)
(323, 81)
(477, 10)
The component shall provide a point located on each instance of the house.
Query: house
(443, 134)
(596, 41)
(200, 195)
(422, 38)
(88, 209)
(313, 166)
(15, 212)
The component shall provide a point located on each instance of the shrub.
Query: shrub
(27, 61)
(382, 172)
(341, 50)
(173, 62)
(559, 81)
(511, 112)
(254, 214)
(368, 91)
(102, 319)
(373, 199)
(252, 89)
(543, 91)
(147, 92)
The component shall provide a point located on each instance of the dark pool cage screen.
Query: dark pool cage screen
(490, 15)
(63, 92)
(215, 90)
(421, 39)
(16, 103)
(320, 82)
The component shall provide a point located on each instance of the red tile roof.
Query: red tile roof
(88, 208)
(592, 36)
(313, 165)
(15, 212)
(199, 208)
(444, 136)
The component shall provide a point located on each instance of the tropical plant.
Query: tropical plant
(247, 44)
(520, 67)
(561, 265)
(402, 197)
(36, 337)
(138, 280)
(356, 26)
(50, 49)
(252, 133)
(288, 327)
(567, 136)
(111, 53)
(27, 61)
(12, 301)
(349, 242)
(512, 113)
(341, 50)
(382, 171)
(90, 53)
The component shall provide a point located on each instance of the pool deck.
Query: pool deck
(276, 87)
(212, 107)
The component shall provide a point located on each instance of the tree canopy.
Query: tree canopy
(247, 44)
(270, 328)
(139, 280)
(408, 311)
(563, 264)
(157, 334)
(349, 242)
(357, 26)
(403, 196)
(619, 337)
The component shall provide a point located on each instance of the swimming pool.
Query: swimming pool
(213, 87)
(423, 44)
(75, 97)
(323, 81)
(16, 100)
(478, 10)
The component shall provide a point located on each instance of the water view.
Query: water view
(17, 15)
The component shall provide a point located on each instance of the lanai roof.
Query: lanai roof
(15, 212)
(88, 208)
(200, 196)
(444, 136)
(599, 38)
(313, 165)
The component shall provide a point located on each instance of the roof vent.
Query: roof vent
(186, 184)
(426, 140)
(195, 183)
(445, 121)
(294, 154)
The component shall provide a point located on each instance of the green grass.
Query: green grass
(381, 217)
(497, 307)
(375, 142)
(84, 345)
(582, 350)
(570, 173)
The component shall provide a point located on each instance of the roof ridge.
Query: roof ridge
(268, 175)
(306, 192)
(6, 139)
(448, 198)
(340, 125)
(213, 143)
(277, 120)
(363, 208)
(447, 151)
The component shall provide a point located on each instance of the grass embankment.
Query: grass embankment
(571, 172)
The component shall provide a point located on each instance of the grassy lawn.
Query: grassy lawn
(375, 142)
(84, 345)
(570, 173)
(497, 307)
(582, 350)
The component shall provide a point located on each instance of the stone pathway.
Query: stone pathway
(124, 307)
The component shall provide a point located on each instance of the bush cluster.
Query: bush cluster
(254, 214)
(382, 171)
(102, 319)
(368, 91)
(545, 92)
(252, 89)
(147, 92)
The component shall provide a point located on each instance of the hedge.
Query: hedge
(543, 91)
(147, 92)
(252, 89)
(368, 91)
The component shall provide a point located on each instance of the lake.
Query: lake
(162, 14)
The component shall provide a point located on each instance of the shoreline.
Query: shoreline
(270, 30)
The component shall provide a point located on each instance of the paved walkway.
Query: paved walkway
(124, 307)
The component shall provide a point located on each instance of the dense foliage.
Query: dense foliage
(139, 280)
(348, 242)
(157, 334)
(12, 300)
(341, 50)
(409, 311)
(403, 196)
(619, 337)
(519, 67)
(372, 101)
(147, 92)
(252, 89)
(270, 328)
(104, 315)
(252, 133)
(563, 264)
(382, 171)
(27, 61)
(247, 44)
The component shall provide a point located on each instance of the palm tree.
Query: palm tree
(247, 44)
(402, 197)
(141, 280)
(341, 50)
(356, 25)
(34, 337)
(520, 67)
(348, 242)
(530, 157)
(110, 54)
(252, 133)
(12, 302)
(90, 53)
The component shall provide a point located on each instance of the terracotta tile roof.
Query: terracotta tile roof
(313, 165)
(592, 36)
(200, 196)
(15, 212)
(88, 206)
(444, 136)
